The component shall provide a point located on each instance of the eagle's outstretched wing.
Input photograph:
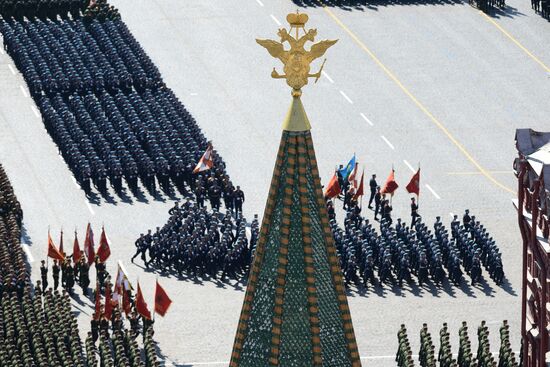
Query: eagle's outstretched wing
(318, 49)
(275, 49)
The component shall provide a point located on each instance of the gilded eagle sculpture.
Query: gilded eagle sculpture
(297, 59)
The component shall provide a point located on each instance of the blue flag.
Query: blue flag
(348, 169)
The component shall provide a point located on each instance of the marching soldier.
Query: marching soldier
(55, 274)
(373, 190)
(238, 199)
(44, 275)
(377, 202)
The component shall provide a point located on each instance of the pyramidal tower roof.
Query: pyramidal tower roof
(295, 311)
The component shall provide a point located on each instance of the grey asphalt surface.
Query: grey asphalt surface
(441, 83)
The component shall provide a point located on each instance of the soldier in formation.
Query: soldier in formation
(38, 327)
(42, 8)
(400, 252)
(466, 357)
(426, 356)
(108, 109)
(404, 353)
(487, 5)
(200, 243)
(542, 7)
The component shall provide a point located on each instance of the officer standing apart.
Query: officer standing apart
(373, 186)
(238, 200)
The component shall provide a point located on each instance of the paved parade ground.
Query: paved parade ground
(434, 83)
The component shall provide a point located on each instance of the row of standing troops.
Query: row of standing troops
(542, 7)
(405, 250)
(71, 273)
(466, 357)
(42, 8)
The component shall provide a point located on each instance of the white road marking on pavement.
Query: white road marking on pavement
(433, 192)
(346, 97)
(11, 69)
(260, 3)
(36, 113)
(409, 165)
(1, 51)
(327, 76)
(24, 91)
(89, 207)
(366, 119)
(75, 182)
(387, 142)
(275, 19)
(194, 94)
(451, 214)
(28, 252)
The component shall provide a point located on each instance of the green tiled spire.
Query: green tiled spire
(295, 311)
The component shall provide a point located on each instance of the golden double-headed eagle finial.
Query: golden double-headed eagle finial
(297, 59)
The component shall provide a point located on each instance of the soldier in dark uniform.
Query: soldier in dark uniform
(200, 193)
(228, 196)
(238, 200)
(84, 275)
(377, 202)
(475, 270)
(387, 209)
(141, 248)
(69, 279)
(55, 273)
(214, 194)
(63, 266)
(373, 189)
(422, 269)
(134, 324)
(44, 275)
(101, 271)
(414, 212)
(348, 198)
(330, 210)
(466, 219)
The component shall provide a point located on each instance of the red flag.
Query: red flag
(162, 301)
(103, 251)
(61, 243)
(97, 314)
(413, 187)
(360, 189)
(206, 162)
(89, 245)
(390, 186)
(333, 187)
(141, 306)
(53, 252)
(108, 303)
(77, 254)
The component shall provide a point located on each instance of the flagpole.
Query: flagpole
(47, 257)
(155, 297)
(391, 195)
(418, 195)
